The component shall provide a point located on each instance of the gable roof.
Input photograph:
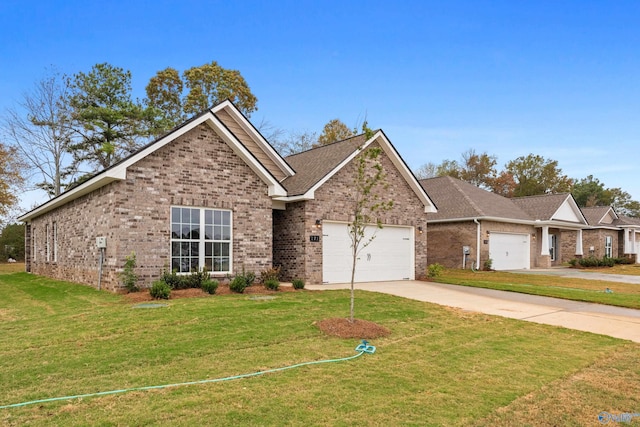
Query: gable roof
(598, 215)
(118, 171)
(461, 200)
(624, 221)
(458, 200)
(316, 166)
(549, 207)
(313, 165)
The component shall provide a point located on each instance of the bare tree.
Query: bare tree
(427, 170)
(41, 131)
(367, 203)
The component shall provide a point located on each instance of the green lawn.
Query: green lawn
(439, 366)
(622, 295)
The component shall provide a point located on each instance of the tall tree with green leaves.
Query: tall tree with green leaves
(369, 185)
(174, 98)
(111, 125)
(590, 191)
(534, 175)
(12, 242)
(41, 130)
(335, 130)
(164, 97)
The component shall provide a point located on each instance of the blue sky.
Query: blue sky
(554, 78)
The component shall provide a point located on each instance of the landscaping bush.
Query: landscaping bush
(160, 290)
(210, 286)
(128, 277)
(238, 284)
(573, 262)
(197, 278)
(592, 261)
(272, 284)
(434, 270)
(272, 273)
(488, 264)
(174, 280)
(297, 283)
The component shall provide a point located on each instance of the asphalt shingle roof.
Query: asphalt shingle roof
(459, 199)
(313, 165)
(541, 207)
(594, 214)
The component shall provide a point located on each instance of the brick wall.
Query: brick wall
(445, 242)
(596, 238)
(289, 241)
(197, 170)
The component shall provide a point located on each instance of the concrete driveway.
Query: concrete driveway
(597, 318)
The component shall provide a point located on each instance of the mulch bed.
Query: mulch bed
(144, 295)
(337, 327)
(360, 329)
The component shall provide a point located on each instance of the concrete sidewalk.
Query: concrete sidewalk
(597, 318)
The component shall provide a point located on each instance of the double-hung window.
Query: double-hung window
(608, 246)
(200, 238)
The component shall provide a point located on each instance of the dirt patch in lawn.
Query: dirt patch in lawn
(361, 329)
(144, 295)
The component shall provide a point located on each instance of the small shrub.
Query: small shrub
(250, 277)
(238, 284)
(434, 270)
(272, 273)
(272, 284)
(174, 280)
(128, 277)
(573, 262)
(488, 264)
(210, 286)
(297, 283)
(197, 278)
(160, 290)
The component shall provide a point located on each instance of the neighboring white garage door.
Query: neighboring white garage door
(509, 251)
(390, 256)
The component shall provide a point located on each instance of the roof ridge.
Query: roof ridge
(473, 204)
(328, 145)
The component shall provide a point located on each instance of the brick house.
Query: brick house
(473, 225)
(610, 234)
(214, 194)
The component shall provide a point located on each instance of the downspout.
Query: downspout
(477, 243)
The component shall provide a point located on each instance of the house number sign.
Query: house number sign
(314, 238)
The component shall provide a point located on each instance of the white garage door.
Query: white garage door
(509, 251)
(389, 256)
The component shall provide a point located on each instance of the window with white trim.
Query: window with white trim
(55, 241)
(553, 246)
(608, 246)
(47, 243)
(200, 238)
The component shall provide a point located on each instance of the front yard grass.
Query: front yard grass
(621, 295)
(439, 366)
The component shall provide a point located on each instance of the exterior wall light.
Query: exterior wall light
(318, 223)
(420, 229)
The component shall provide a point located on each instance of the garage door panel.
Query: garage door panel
(389, 256)
(509, 251)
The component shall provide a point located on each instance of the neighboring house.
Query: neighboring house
(602, 238)
(473, 226)
(611, 235)
(213, 193)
